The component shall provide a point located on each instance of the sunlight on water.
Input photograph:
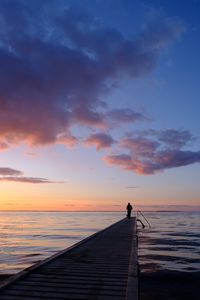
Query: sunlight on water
(171, 243)
(28, 237)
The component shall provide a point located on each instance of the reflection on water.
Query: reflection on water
(28, 237)
(172, 242)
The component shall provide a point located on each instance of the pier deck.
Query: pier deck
(102, 266)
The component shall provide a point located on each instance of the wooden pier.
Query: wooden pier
(102, 266)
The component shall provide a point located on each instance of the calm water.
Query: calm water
(28, 237)
(171, 243)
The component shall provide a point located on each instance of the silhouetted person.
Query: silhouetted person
(129, 209)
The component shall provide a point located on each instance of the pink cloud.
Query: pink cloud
(140, 145)
(154, 151)
(128, 163)
(160, 162)
(9, 171)
(13, 175)
(3, 145)
(122, 160)
(28, 180)
(67, 139)
(99, 140)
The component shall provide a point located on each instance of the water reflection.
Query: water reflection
(27, 237)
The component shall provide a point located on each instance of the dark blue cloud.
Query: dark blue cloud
(176, 138)
(126, 115)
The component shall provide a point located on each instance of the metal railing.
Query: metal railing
(139, 213)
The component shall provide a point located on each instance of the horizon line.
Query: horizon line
(75, 211)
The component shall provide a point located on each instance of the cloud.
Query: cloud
(9, 174)
(176, 139)
(122, 160)
(99, 140)
(176, 158)
(28, 179)
(125, 115)
(67, 139)
(131, 187)
(140, 145)
(57, 67)
(3, 146)
(160, 161)
(159, 30)
(10, 171)
(153, 151)
(89, 118)
(58, 64)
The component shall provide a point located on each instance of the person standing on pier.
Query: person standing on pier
(129, 209)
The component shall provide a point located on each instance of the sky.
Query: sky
(99, 104)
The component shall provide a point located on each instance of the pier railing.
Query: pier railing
(139, 214)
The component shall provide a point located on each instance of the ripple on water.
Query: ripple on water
(166, 246)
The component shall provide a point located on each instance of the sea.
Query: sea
(168, 248)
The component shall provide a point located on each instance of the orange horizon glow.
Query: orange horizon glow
(95, 195)
(96, 110)
(88, 207)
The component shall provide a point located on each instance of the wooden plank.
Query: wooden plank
(74, 284)
(53, 294)
(31, 285)
(64, 279)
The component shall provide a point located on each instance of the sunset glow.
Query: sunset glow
(99, 105)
